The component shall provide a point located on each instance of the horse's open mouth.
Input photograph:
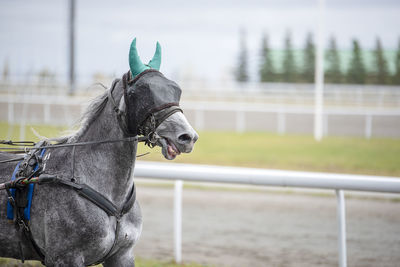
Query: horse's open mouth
(168, 148)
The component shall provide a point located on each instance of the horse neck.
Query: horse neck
(106, 167)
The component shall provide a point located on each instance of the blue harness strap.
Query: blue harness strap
(27, 210)
(10, 209)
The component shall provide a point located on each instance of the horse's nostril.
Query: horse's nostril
(185, 138)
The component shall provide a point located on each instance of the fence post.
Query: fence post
(67, 114)
(240, 121)
(178, 221)
(46, 111)
(368, 126)
(23, 117)
(319, 73)
(11, 112)
(10, 119)
(326, 125)
(341, 214)
(281, 122)
(199, 119)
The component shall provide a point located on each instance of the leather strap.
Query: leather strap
(99, 200)
(121, 118)
(94, 196)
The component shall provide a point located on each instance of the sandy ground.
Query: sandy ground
(237, 228)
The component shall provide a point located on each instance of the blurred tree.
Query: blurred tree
(396, 76)
(309, 60)
(333, 73)
(356, 71)
(380, 72)
(267, 70)
(6, 71)
(46, 77)
(289, 65)
(241, 74)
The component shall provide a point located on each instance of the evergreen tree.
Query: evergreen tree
(333, 73)
(396, 76)
(289, 66)
(381, 72)
(267, 70)
(356, 72)
(6, 71)
(309, 60)
(241, 71)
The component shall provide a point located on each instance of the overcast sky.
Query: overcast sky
(197, 37)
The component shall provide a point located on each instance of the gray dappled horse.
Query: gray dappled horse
(69, 229)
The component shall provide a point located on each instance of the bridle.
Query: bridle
(153, 118)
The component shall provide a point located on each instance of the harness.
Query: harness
(20, 191)
(30, 169)
(20, 197)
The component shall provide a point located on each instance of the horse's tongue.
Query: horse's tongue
(171, 150)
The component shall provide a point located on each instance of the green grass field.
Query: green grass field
(265, 150)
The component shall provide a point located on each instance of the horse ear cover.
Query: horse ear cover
(150, 92)
(136, 65)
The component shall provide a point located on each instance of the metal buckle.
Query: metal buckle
(12, 201)
(152, 138)
(22, 224)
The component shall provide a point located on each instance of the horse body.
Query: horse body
(71, 230)
(67, 226)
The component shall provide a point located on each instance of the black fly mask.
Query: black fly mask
(150, 98)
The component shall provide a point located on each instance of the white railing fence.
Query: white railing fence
(244, 113)
(239, 117)
(250, 176)
(376, 96)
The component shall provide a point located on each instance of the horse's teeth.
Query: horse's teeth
(171, 151)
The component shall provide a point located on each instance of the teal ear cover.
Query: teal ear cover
(136, 65)
(155, 62)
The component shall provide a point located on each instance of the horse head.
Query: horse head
(152, 106)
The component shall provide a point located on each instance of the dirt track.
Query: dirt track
(235, 228)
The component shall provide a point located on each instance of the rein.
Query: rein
(27, 149)
(127, 139)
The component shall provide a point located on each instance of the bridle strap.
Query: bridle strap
(153, 120)
(163, 114)
(121, 118)
(131, 80)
